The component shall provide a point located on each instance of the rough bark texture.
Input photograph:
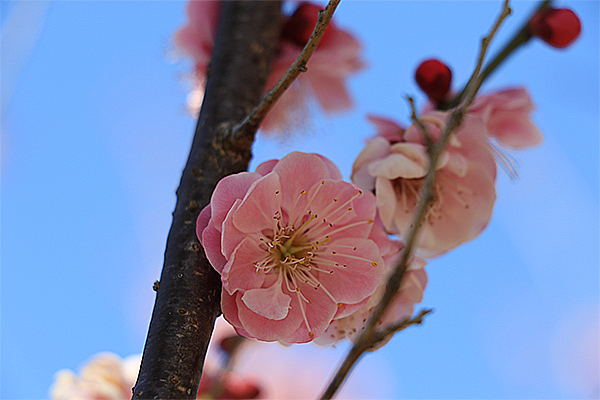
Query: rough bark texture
(188, 296)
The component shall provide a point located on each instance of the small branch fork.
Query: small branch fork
(255, 118)
(370, 336)
(519, 39)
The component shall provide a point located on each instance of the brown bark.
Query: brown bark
(188, 296)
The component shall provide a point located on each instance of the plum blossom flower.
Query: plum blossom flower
(507, 117)
(395, 163)
(294, 246)
(105, 377)
(336, 58)
(411, 290)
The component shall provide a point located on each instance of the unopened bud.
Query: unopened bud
(434, 78)
(299, 27)
(558, 27)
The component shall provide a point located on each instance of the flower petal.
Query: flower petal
(397, 165)
(267, 329)
(319, 310)
(227, 191)
(376, 149)
(259, 206)
(269, 302)
(211, 241)
(361, 275)
(240, 272)
(387, 204)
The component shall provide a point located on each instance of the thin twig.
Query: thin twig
(416, 120)
(520, 38)
(365, 341)
(400, 326)
(255, 118)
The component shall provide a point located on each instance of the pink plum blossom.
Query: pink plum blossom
(294, 246)
(507, 117)
(336, 58)
(464, 192)
(410, 293)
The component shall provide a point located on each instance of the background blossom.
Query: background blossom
(337, 57)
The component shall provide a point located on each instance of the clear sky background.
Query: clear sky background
(95, 135)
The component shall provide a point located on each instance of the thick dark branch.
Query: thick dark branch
(188, 298)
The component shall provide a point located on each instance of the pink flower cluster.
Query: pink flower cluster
(395, 163)
(336, 58)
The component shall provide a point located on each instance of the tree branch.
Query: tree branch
(188, 297)
(369, 335)
(520, 38)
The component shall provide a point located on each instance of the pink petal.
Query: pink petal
(514, 130)
(269, 302)
(267, 329)
(202, 221)
(313, 167)
(319, 313)
(197, 37)
(240, 273)
(259, 206)
(266, 167)
(457, 164)
(230, 311)
(507, 116)
(387, 128)
(227, 191)
(334, 171)
(376, 149)
(346, 309)
(458, 223)
(231, 236)
(387, 204)
(330, 92)
(211, 241)
(362, 275)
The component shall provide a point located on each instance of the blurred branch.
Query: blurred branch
(188, 298)
(369, 337)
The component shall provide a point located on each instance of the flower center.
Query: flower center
(299, 247)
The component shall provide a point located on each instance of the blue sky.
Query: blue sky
(95, 134)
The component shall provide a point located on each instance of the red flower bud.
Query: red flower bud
(558, 27)
(434, 78)
(301, 24)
